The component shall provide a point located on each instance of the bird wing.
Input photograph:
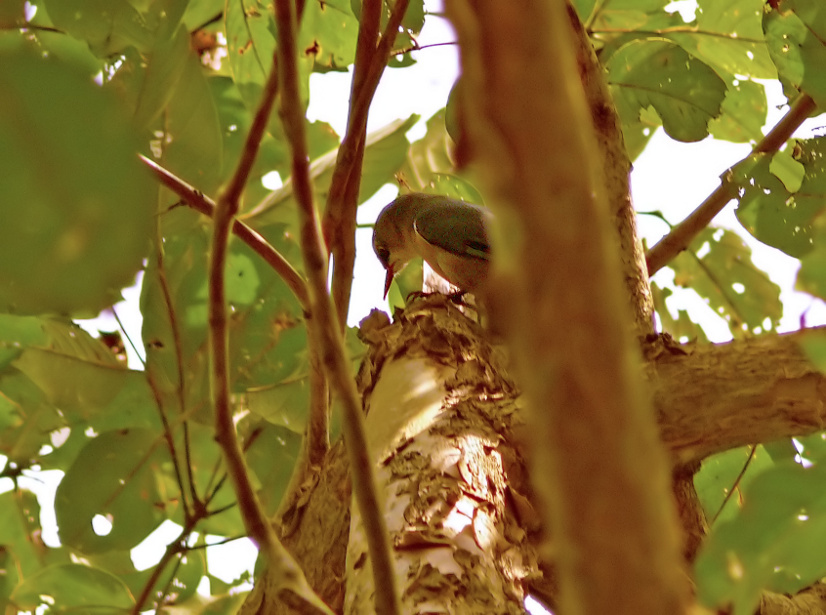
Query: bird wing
(454, 226)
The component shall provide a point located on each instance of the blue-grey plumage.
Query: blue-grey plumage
(450, 235)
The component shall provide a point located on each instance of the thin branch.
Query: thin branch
(199, 202)
(736, 483)
(325, 324)
(417, 47)
(681, 235)
(340, 214)
(256, 523)
(181, 389)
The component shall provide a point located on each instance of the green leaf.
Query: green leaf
(26, 419)
(795, 37)
(18, 332)
(164, 70)
(814, 345)
(384, 154)
(812, 275)
(682, 328)
(75, 228)
(685, 92)
(744, 113)
(769, 210)
(73, 587)
(328, 34)
(727, 279)
(770, 543)
(787, 170)
(20, 537)
(250, 46)
(124, 491)
(272, 456)
(107, 27)
(719, 475)
(728, 36)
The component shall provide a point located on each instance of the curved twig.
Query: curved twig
(200, 202)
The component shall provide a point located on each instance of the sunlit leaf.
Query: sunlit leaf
(124, 491)
(718, 267)
(74, 587)
(724, 472)
(795, 37)
(728, 36)
(773, 213)
(75, 228)
(772, 542)
(686, 93)
(744, 113)
(681, 327)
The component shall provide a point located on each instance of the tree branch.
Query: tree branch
(255, 521)
(529, 131)
(753, 391)
(326, 325)
(199, 202)
(340, 214)
(681, 235)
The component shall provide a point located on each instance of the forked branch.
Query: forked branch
(286, 570)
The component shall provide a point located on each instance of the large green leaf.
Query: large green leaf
(729, 37)
(124, 491)
(720, 474)
(781, 194)
(718, 267)
(73, 588)
(328, 34)
(685, 92)
(774, 543)
(796, 37)
(744, 112)
(384, 154)
(20, 538)
(75, 227)
(267, 338)
(681, 327)
(108, 27)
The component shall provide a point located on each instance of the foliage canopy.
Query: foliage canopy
(89, 84)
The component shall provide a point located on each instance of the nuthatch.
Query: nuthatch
(448, 234)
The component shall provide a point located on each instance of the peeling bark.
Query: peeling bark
(442, 417)
(711, 398)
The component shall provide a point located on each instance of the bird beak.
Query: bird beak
(388, 281)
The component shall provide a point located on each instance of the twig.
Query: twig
(203, 204)
(257, 525)
(682, 234)
(736, 483)
(181, 389)
(340, 213)
(325, 324)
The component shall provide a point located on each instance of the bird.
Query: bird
(450, 235)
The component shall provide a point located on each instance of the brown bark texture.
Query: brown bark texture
(596, 461)
(441, 418)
